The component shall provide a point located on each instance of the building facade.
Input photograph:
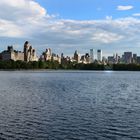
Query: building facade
(11, 54)
(99, 55)
(76, 57)
(29, 53)
(91, 56)
(127, 57)
(49, 56)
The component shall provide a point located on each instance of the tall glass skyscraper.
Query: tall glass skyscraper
(99, 55)
(91, 56)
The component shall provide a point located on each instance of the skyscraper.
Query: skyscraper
(99, 55)
(91, 56)
(128, 57)
(29, 53)
(26, 48)
(76, 56)
(134, 58)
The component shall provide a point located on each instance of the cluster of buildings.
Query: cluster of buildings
(87, 57)
(49, 56)
(29, 54)
(126, 58)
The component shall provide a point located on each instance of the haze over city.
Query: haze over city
(66, 26)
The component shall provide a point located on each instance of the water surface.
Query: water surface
(77, 105)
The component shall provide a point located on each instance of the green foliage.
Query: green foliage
(41, 65)
(18, 65)
(91, 66)
(126, 67)
(67, 66)
(29, 65)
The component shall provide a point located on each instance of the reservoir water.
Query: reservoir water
(69, 105)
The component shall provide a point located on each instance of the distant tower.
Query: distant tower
(134, 58)
(117, 58)
(99, 55)
(48, 54)
(128, 57)
(91, 56)
(62, 58)
(77, 56)
(62, 55)
(30, 53)
(26, 51)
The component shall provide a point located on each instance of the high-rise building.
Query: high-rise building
(138, 59)
(91, 56)
(87, 58)
(47, 55)
(111, 59)
(29, 53)
(134, 58)
(11, 54)
(116, 58)
(77, 57)
(128, 57)
(26, 50)
(99, 55)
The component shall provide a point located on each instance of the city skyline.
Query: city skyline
(112, 26)
(92, 56)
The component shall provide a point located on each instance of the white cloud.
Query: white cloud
(123, 8)
(109, 17)
(9, 29)
(106, 37)
(26, 19)
(136, 14)
(19, 17)
(21, 9)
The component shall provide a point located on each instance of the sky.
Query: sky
(69, 25)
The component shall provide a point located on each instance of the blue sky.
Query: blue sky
(89, 9)
(69, 25)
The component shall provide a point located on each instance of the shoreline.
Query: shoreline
(67, 70)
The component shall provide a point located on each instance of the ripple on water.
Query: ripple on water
(69, 105)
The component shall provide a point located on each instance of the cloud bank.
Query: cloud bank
(27, 20)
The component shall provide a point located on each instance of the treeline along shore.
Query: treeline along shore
(21, 65)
